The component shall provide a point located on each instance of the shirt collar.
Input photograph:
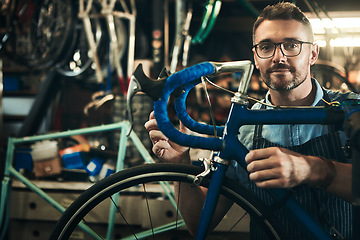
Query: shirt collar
(318, 96)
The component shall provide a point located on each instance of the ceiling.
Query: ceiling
(232, 30)
(235, 17)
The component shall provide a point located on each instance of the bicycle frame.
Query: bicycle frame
(240, 115)
(228, 146)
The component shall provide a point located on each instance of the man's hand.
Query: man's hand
(281, 168)
(162, 147)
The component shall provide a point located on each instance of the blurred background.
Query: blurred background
(65, 65)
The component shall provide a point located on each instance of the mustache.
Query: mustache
(280, 66)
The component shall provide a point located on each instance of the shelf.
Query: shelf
(50, 185)
(78, 186)
(19, 93)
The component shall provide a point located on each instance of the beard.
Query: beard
(281, 84)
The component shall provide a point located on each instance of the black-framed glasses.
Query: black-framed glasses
(290, 48)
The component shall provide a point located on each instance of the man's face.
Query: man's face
(279, 72)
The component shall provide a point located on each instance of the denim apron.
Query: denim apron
(333, 213)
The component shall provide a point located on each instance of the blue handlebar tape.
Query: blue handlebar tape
(160, 108)
(180, 107)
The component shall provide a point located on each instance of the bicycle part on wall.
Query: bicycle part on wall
(109, 13)
(5, 6)
(7, 16)
(332, 76)
(39, 33)
(211, 12)
(80, 64)
(183, 39)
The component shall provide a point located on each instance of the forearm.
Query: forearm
(340, 182)
(190, 202)
(341, 185)
(190, 199)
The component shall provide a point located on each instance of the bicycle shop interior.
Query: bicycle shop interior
(65, 66)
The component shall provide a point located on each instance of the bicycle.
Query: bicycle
(212, 173)
(70, 36)
(37, 32)
(332, 76)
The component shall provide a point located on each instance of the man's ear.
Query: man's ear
(314, 53)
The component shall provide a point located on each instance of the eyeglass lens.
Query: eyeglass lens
(289, 48)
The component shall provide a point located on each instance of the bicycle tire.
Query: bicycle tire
(332, 77)
(159, 172)
(78, 64)
(48, 32)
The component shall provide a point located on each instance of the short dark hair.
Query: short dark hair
(283, 11)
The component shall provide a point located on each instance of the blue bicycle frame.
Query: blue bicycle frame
(228, 146)
(240, 115)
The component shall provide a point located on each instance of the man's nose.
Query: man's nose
(279, 56)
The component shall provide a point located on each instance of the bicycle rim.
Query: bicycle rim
(140, 177)
(40, 41)
(79, 64)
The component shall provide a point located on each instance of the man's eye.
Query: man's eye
(291, 45)
(265, 47)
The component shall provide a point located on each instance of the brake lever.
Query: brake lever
(139, 82)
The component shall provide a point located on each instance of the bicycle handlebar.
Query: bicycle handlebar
(161, 114)
(161, 89)
(183, 81)
(180, 108)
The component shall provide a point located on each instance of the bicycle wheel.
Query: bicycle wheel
(145, 177)
(79, 63)
(332, 77)
(40, 32)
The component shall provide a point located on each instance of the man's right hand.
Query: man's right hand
(163, 148)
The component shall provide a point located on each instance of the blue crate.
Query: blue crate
(73, 160)
(23, 160)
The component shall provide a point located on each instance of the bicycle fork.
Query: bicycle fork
(218, 168)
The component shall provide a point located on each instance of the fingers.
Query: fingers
(264, 175)
(154, 133)
(276, 167)
(157, 135)
(264, 172)
(151, 125)
(257, 161)
(160, 147)
(263, 167)
(152, 115)
(262, 164)
(258, 154)
(271, 177)
(271, 183)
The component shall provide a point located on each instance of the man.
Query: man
(286, 156)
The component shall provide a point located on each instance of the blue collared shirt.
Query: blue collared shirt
(289, 135)
(292, 135)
